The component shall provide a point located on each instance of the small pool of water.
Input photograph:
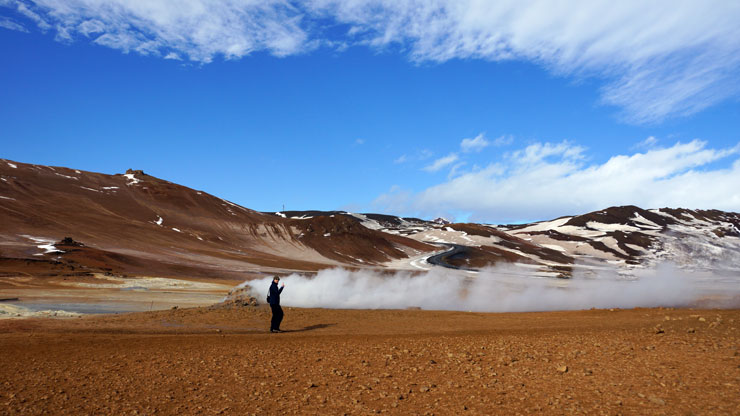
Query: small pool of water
(83, 308)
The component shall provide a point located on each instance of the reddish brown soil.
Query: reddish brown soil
(213, 361)
(143, 225)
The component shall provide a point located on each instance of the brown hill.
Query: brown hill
(139, 224)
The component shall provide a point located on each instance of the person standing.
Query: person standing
(274, 300)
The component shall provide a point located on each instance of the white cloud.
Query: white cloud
(360, 141)
(196, 29)
(503, 140)
(474, 145)
(12, 25)
(441, 162)
(22, 9)
(456, 169)
(649, 142)
(538, 152)
(453, 160)
(657, 59)
(92, 26)
(545, 180)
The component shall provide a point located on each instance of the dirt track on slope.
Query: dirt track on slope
(223, 361)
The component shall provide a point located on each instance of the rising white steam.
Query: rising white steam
(500, 289)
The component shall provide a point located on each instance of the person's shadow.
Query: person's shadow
(309, 328)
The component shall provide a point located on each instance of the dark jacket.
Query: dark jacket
(275, 294)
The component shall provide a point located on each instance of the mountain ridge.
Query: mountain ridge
(139, 224)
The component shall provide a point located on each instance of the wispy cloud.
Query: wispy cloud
(503, 140)
(12, 25)
(442, 162)
(401, 159)
(425, 154)
(546, 180)
(173, 56)
(648, 143)
(657, 59)
(455, 160)
(474, 145)
(456, 169)
(197, 29)
(420, 155)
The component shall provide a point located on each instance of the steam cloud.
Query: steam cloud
(500, 289)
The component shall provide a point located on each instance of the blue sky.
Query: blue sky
(517, 112)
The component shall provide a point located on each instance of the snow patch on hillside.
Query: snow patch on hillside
(66, 176)
(132, 179)
(43, 243)
(544, 226)
(644, 222)
(611, 227)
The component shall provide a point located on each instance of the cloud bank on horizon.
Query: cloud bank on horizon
(548, 180)
(656, 59)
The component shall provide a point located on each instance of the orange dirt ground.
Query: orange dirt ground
(224, 361)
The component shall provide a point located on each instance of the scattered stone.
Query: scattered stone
(563, 369)
(656, 400)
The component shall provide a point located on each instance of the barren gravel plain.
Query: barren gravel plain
(210, 361)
